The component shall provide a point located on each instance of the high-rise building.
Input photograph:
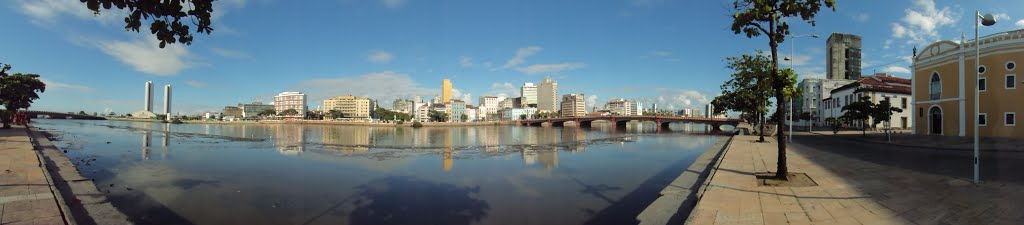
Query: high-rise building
(547, 96)
(402, 105)
(350, 106)
(446, 90)
(291, 100)
(456, 110)
(232, 111)
(529, 95)
(620, 106)
(843, 56)
(167, 102)
(491, 103)
(573, 105)
(149, 97)
(418, 99)
(506, 104)
(637, 109)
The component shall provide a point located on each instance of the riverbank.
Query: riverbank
(677, 199)
(27, 193)
(330, 122)
(80, 199)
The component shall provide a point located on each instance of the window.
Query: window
(904, 100)
(982, 84)
(935, 87)
(1010, 65)
(1011, 81)
(982, 119)
(920, 112)
(1010, 119)
(981, 69)
(903, 122)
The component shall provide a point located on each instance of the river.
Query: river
(327, 174)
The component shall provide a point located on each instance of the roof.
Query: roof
(879, 83)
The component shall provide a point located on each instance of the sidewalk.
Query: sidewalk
(850, 191)
(25, 194)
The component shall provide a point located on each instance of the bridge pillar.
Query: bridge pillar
(715, 126)
(621, 123)
(558, 124)
(584, 123)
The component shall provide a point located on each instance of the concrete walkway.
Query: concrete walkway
(850, 191)
(25, 194)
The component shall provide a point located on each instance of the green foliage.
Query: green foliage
(170, 19)
(268, 112)
(176, 121)
(804, 116)
(417, 124)
(17, 91)
(463, 117)
(161, 117)
(385, 114)
(883, 112)
(334, 114)
(748, 89)
(290, 112)
(437, 116)
(522, 117)
(860, 110)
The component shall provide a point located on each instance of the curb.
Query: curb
(918, 146)
(62, 204)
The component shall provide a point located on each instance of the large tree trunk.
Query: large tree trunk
(782, 171)
(760, 134)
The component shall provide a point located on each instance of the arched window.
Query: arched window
(935, 88)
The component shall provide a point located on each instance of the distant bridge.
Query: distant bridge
(620, 121)
(58, 115)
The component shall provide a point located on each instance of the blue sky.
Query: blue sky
(658, 51)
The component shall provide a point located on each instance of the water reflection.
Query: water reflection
(290, 140)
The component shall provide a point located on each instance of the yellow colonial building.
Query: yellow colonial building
(944, 82)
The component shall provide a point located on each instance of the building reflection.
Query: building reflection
(346, 140)
(548, 158)
(290, 140)
(575, 139)
(165, 142)
(147, 137)
(447, 159)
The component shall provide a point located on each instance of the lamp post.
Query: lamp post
(792, 52)
(987, 20)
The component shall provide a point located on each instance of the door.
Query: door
(936, 120)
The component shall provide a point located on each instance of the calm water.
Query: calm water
(317, 174)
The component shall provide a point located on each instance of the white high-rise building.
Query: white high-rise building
(638, 108)
(291, 100)
(547, 96)
(149, 97)
(529, 94)
(167, 102)
(491, 104)
(573, 105)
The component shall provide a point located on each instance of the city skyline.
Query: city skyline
(666, 63)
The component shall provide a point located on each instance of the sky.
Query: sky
(656, 51)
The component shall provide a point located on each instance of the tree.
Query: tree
(883, 113)
(463, 117)
(165, 17)
(860, 110)
(17, 91)
(748, 90)
(437, 116)
(334, 114)
(765, 17)
(268, 112)
(290, 112)
(805, 116)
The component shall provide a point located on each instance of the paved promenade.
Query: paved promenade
(25, 194)
(851, 190)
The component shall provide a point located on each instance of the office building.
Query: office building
(148, 97)
(456, 108)
(547, 96)
(491, 104)
(232, 111)
(446, 90)
(843, 56)
(529, 96)
(167, 102)
(573, 105)
(290, 100)
(402, 106)
(507, 103)
(349, 106)
(619, 106)
(253, 109)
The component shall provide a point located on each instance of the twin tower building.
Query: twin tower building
(147, 110)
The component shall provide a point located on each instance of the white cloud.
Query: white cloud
(466, 61)
(591, 102)
(393, 3)
(146, 56)
(383, 86)
(810, 72)
(887, 44)
(52, 85)
(861, 17)
(1001, 16)
(922, 21)
(380, 57)
(680, 98)
(521, 55)
(1020, 23)
(228, 53)
(48, 11)
(195, 83)
(895, 69)
(503, 90)
(661, 53)
(550, 68)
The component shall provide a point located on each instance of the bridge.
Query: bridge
(620, 121)
(58, 115)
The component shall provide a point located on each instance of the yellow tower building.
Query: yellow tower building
(446, 90)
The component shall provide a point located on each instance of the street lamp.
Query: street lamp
(987, 20)
(792, 52)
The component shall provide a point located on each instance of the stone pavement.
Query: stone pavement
(25, 194)
(850, 191)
